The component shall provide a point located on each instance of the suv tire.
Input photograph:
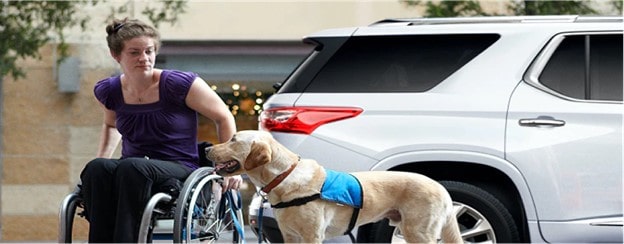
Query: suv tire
(476, 206)
(481, 205)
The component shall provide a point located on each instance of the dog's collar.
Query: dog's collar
(266, 189)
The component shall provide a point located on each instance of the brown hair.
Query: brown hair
(126, 29)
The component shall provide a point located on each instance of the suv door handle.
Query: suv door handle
(542, 121)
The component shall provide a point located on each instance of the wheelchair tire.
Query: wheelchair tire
(66, 217)
(201, 215)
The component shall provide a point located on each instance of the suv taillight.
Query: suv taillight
(303, 119)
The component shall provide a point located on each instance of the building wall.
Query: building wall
(259, 20)
(48, 136)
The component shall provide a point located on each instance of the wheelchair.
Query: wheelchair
(199, 213)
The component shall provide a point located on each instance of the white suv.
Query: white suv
(519, 117)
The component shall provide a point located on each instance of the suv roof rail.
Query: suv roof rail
(497, 19)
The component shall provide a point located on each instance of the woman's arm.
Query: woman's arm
(205, 101)
(109, 136)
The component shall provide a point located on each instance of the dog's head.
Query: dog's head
(248, 151)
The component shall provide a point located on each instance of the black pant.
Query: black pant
(115, 192)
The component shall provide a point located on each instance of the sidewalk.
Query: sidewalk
(250, 237)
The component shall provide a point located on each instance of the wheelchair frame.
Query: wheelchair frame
(190, 207)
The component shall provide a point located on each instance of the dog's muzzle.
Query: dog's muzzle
(227, 167)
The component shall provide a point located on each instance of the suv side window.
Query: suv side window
(414, 63)
(587, 67)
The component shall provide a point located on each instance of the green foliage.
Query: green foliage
(28, 25)
(25, 26)
(448, 8)
(411, 3)
(452, 8)
(166, 11)
(618, 4)
(536, 7)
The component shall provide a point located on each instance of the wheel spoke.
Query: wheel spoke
(480, 228)
(474, 226)
(459, 209)
(212, 217)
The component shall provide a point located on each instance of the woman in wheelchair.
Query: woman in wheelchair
(154, 114)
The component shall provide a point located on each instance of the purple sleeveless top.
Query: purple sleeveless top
(164, 130)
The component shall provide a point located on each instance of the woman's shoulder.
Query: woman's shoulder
(178, 76)
(105, 89)
(176, 84)
(106, 85)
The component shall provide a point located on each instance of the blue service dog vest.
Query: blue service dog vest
(342, 188)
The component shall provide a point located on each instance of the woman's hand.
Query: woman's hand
(232, 183)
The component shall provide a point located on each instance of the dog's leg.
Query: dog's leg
(302, 237)
(413, 234)
(290, 234)
(290, 238)
(312, 237)
(310, 231)
(420, 228)
(300, 224)
(450, 230)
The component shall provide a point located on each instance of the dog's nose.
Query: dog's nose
(203, 156)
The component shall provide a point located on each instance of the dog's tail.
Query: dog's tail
(450, 230)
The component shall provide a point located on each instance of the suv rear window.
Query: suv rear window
(413, 63)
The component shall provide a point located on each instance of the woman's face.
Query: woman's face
(138, 55)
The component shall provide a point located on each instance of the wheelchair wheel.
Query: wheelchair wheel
(203, 214)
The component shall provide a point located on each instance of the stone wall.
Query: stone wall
(47, 136)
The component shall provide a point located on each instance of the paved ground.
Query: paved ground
(250, 237)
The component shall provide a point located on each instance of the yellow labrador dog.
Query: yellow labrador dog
(418, 205)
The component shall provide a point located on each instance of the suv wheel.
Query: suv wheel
(481, 216)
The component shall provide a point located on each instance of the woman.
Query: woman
(154, 113)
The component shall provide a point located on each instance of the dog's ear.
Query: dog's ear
(259, 154)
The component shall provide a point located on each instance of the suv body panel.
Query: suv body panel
(582, 180)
